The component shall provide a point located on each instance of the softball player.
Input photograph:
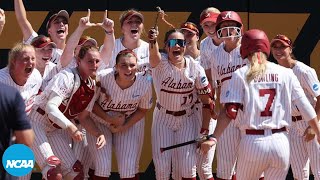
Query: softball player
(131, 95)
(204, 161)
(177, 80)
(132, 26)
(208, 19)
(265, 92)
(74, 44)
(21, 73)
(302, 153)
(227, 59)
(57, 28)
(67, 95)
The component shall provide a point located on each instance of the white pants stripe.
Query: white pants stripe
(50, 141)
(168, 130)
(303, 155)
(227, 151)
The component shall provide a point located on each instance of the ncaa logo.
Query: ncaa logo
(18, 160)
(315, 87)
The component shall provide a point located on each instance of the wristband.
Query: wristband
(213, 139)
(109, 32)
(75, 132)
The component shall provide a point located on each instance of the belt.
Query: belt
(174, 113)
(296, 118)
(42, 112)
(261, 131)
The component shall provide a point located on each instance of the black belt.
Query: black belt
(261, 131)
(174, 113)
(296, 118)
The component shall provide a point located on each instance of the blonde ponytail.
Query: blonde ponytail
(257, 66)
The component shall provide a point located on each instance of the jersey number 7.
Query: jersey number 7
(272, 94)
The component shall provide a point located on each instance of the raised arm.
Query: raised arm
(2, 20)
(155, 55)
(73, 40)
(109, 39)
(23, 22)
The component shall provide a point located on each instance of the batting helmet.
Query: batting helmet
(254, 40)
(229, 16)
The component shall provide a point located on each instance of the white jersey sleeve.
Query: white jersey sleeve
(308, 79)
(62, 84)
(300, 100)
(201, 80)
(146, 100)
(29, 40)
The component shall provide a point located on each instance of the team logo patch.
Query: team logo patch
(149, 78)
(315, 87)
(203, 79)
(227, 93)
(18, 160)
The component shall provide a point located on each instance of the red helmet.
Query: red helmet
(254, 40)
(229, 16)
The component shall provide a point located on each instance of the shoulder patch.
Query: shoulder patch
(203, 79)
(315, 87)
(227, 93)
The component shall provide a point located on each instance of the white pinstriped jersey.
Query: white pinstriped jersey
(267, 100)
(50, 71)
(142, 53)
(308, 79)
(224, 64)
(29, 90)
(207, 49)
(176, 88)
(62, 84)
(56, 53)
(128, 100)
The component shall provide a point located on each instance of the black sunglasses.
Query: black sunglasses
(173, 42)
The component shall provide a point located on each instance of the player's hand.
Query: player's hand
(309, 134)
(153, 34)
(118, 119)
(85, 21)
(116, 129)
(75, 133)
(107, 24)
(206, 146)
(101, 141)
(2, 17)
